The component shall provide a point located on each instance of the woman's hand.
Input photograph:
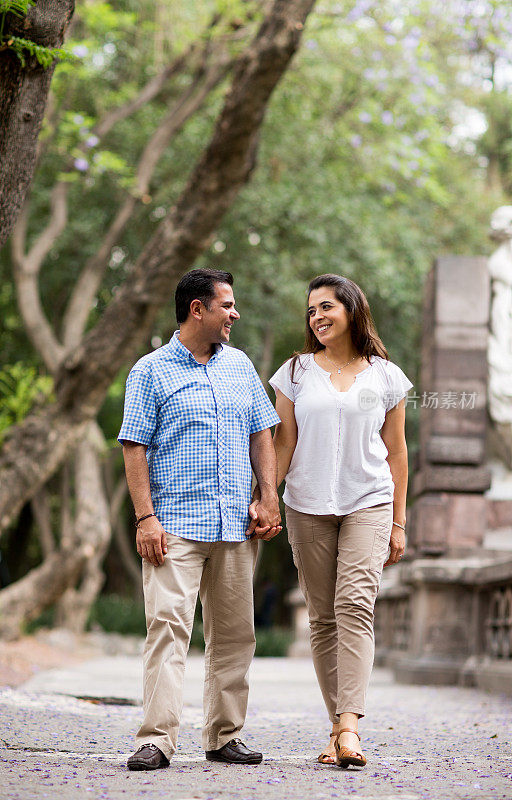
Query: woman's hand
(397, 545)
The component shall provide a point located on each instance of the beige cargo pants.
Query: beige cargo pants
(339, 561)
(222, 572)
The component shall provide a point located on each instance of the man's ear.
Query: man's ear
(196, 309)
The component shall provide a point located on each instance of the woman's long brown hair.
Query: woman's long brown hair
(363, 332)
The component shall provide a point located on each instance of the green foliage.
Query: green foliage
(44, 55)
(17, 7)
(26, 47)
(273, 642)
(45, 620)
(21, 389)
(116, 614)
(197, 638)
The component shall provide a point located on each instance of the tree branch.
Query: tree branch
(29, 265)
(35, 448)
(25, 599)
(222, 170)
(154, 86)
(31, 453)
(56, 225)
(148, 93)
(84, 292)
(26, 272)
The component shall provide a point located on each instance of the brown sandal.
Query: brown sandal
(325, 758)
(346, 757)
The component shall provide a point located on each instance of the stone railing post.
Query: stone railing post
(449, 507)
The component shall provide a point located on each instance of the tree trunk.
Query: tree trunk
(23, 96)
(91, 530)
(43, 522)
(25, 599)
(125, 554)
(34, 449)
(31, 453)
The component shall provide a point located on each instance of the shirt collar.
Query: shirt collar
(183, 353)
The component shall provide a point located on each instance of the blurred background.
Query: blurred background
(387, 144)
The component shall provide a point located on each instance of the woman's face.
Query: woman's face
(327, 315)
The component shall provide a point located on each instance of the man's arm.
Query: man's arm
(266, 522)
(151, 537)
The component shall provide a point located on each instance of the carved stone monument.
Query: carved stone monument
(445, 616)
(451, 476)
(500, 336)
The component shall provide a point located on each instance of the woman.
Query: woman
(341, 446)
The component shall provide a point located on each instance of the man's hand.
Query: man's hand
(397, 546)
(151, 541)
(265, 518)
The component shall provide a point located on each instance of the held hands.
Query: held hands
(265, 517)
(151, 541)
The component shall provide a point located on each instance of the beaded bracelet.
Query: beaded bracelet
(140, 519)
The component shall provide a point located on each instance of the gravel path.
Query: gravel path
(421, 742)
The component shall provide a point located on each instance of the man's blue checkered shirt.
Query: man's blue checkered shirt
(196, 420)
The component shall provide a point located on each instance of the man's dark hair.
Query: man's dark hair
(198, 284)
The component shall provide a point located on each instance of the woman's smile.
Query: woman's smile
(326, 312)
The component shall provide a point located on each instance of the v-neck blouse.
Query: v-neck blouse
(339, 463)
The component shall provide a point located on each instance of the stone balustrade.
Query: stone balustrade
(448, 621)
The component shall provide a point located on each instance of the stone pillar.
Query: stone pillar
(300, 647)
(449, 508)
(456, 584)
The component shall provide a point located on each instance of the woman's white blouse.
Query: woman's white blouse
(339, 464)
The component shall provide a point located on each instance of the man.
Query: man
(196, 418)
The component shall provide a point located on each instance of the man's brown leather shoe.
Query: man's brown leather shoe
(234, 752)
(148, 756)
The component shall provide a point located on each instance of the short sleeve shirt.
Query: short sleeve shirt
(196, 420)
(339, 463)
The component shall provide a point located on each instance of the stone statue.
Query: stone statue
(500, 335)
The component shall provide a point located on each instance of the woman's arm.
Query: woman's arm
(285, 439)
(393, 436)
(285, 436)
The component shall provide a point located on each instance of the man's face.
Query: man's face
(218, 319)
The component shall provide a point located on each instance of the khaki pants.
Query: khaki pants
(222, 572)
(339, 561)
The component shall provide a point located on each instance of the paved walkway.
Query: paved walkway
(421, 742)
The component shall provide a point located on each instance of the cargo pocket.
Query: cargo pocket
(379, 549)
(300, 573)
(299, 526)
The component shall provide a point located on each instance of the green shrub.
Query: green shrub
(116, 614)
(45, 620)
(273, 642)
(21, 390)
(197, 638)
